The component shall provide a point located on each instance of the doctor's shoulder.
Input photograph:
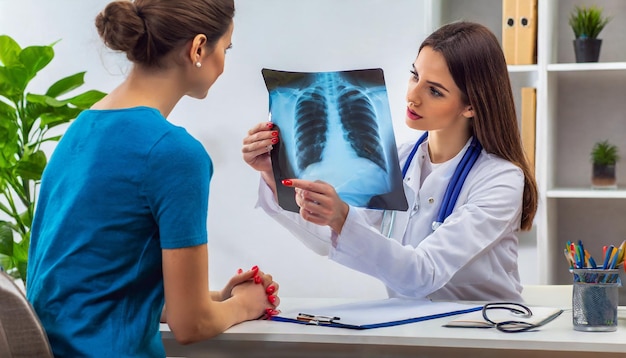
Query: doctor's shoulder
(490, 166)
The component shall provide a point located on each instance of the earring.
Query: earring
(198, 64)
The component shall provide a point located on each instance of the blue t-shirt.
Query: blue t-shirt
(120, 186)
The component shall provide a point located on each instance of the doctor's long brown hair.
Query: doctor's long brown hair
(476, 62)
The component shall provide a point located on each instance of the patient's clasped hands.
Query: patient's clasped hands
(246, 280)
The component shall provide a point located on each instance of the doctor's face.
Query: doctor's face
(434, 100)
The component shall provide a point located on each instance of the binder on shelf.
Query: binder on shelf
(519, 31)
(509, 25)
(376, 313)
(528, 119)
(526, 34)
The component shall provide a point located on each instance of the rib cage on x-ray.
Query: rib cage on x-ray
(311, 127)
(359, 121)
(355, 111)
(335, 127)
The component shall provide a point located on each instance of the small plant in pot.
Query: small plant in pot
(587, 23)
(604, 157)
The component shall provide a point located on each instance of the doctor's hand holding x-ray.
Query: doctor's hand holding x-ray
(467, 182)
(318, 201)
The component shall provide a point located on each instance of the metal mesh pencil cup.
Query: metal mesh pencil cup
(595, 299)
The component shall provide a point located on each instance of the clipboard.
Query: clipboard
(375, 314)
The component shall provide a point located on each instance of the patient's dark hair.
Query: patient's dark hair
(147, 30)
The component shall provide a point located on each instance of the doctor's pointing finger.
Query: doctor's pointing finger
(319, 203)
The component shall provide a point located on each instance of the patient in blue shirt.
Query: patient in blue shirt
(120, 224)
(121, 185)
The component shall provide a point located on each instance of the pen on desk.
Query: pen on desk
(315, 319)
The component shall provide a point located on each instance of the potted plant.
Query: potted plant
(604, 157)
(25, 121)
(587, 23)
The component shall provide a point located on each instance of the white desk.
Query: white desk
(422, 339)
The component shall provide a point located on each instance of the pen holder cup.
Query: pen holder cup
(622, 289)
(595, 299)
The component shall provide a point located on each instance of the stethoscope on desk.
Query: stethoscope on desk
(454, 186)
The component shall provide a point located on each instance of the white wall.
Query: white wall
(322, 35)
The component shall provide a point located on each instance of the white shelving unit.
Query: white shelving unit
(577, 105)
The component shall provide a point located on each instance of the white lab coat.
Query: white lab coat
(471, 256)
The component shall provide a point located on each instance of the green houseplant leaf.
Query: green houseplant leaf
(9, 51)
(604, 153)
(35, 58)
(25, 119)
(588, 22)
(6, 239)
(66, 84)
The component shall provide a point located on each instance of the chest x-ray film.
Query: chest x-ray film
(335, 127)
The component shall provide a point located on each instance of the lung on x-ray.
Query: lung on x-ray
(335, 127)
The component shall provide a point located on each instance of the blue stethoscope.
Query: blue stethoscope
(454, 186)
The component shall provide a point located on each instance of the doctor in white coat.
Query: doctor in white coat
(459, 94)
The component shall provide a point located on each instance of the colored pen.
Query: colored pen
(613, 259)
(569, 258)
(607, 256)
(582, 253)
(622, 247)
(592, 262)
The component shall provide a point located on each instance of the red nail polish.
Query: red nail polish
(255, 268)
(270, 125)
(257, 279)
(269, 312)
(287, 182)
(270, 289)
(275, 134)
(239, 271)
(271, 298)
(274, 140)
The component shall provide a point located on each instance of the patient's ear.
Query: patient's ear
(197, 48)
